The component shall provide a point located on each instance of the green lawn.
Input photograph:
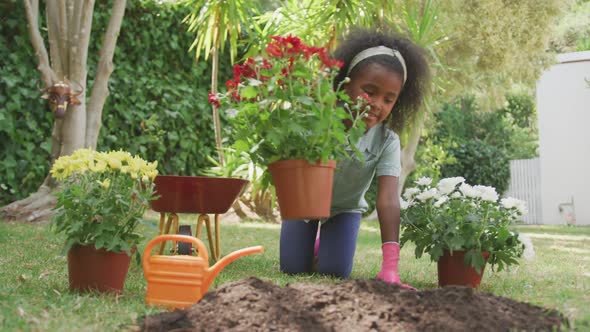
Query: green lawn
(34, 284)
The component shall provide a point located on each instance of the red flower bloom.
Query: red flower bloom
(235, 96)
(365, 97)
(214, 100)
(292, 44)
(275, 50)
(231, 85)
(308, 51)
(245, 70)
(329, 62)
(266, 64)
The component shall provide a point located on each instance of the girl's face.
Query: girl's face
(382, 86)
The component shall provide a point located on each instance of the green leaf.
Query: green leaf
(241, 146)
(305, 100)
(249, 92)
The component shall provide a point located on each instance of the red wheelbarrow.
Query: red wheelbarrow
(194, 194)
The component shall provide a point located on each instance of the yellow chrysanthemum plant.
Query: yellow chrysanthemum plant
(102, 198)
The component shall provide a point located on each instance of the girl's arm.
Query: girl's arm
(388, 208)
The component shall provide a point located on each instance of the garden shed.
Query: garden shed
(563, 103)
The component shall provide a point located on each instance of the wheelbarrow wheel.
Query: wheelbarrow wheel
(184, 248)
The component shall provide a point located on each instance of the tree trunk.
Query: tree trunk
(214, 74)
(69, 24)
(408, 153)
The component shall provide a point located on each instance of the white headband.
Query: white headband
(378, 50)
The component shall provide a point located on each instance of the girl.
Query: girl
(393, 72)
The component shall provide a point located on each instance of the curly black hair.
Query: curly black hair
(418, 71)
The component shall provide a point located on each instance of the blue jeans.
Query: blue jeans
(338, 238)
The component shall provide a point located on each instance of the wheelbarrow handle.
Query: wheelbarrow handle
(202, 250)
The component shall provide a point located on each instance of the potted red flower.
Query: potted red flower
(286, 113)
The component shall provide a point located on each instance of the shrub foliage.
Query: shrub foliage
(157, 106)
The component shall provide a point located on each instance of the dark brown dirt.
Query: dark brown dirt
(353, 305)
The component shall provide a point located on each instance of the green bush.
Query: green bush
(157, 106)
(480, 164)
(511, 130)
(25, 120)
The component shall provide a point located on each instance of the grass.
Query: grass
(555, 229)
(34, 292)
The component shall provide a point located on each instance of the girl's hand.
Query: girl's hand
(389, 272)
(393, 278)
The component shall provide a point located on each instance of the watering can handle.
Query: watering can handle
(173, 237)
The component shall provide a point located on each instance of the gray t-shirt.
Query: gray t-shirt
(380, 149)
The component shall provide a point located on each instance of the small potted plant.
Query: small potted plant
(287, 114)
(461, 227)
(102, 198)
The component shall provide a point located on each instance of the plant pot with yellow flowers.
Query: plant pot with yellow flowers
(101, 200)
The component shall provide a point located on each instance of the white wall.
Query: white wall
(563, 103)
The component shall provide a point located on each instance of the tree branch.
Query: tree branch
(74, 17)
(100, 90)
(78, 70)
(64, 41)
(32, 12)
(53, 38)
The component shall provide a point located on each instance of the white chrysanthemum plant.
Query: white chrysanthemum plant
(453, 215)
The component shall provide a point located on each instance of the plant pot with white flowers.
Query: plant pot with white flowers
(286, 113)
(102, 199)
(462, 228)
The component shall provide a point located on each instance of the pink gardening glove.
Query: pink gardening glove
(316, 246)
(388, 271)
(316, 250)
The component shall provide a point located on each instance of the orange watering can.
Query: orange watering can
(181, 281)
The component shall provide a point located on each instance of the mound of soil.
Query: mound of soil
(353, 305)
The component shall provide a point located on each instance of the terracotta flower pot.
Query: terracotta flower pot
(453, 271)
(98, 270)
(304, 190)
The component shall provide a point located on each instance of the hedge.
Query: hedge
(157, 107)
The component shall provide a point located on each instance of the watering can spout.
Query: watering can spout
(214, 270)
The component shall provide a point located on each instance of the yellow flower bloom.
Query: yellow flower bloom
(100, 166)
(114, 163)
(106, 183)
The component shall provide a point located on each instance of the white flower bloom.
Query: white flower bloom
(254, 82)
(231, 113)
(403, 204)
(441, 201)
(426, 195)
(486, 193)
(529, 250)
(410, 192)
(447, 185)
(286, 105)
(467, 190)
(424, 181)
(456, 195)
(511, 202)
